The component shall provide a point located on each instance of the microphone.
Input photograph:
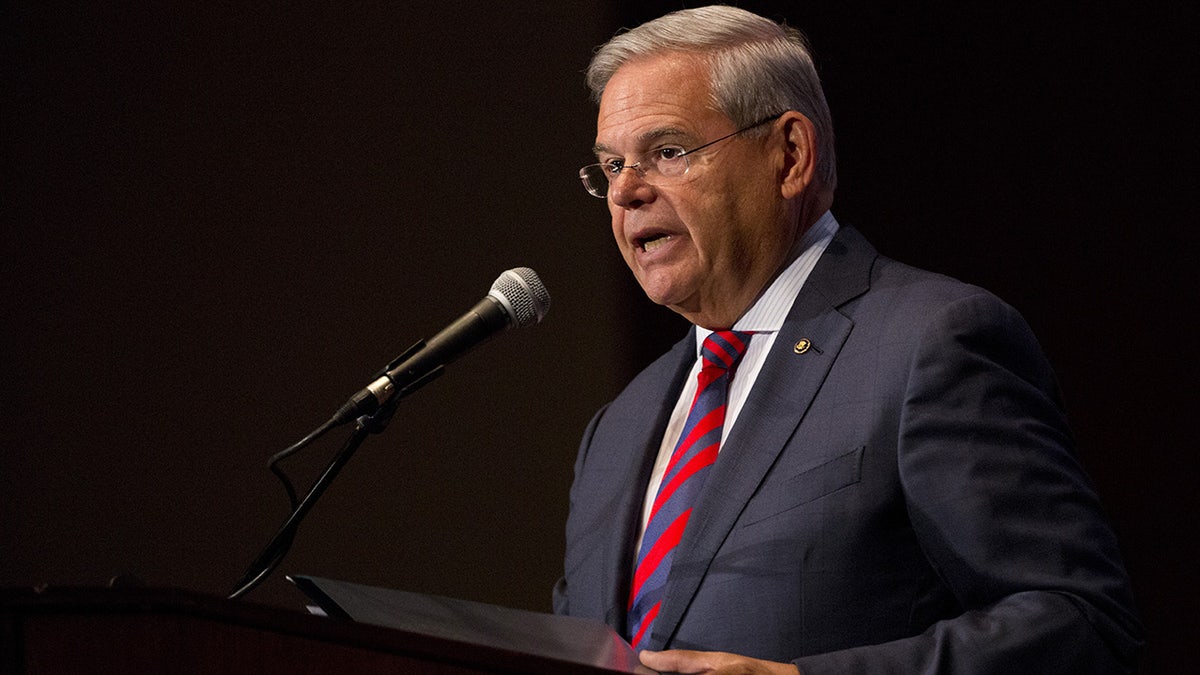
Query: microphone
(517, 299)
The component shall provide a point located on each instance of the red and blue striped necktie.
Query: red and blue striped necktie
(681, 483)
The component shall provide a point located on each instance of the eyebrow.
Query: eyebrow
(649, 137)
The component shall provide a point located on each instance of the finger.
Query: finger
(677, 661)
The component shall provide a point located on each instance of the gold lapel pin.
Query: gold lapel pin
(802, 346)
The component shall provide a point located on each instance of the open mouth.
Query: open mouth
(649, 244)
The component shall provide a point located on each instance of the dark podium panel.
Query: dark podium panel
(171, 631)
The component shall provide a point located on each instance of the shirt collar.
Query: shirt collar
(768, 313)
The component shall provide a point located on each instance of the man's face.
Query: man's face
(708, 246)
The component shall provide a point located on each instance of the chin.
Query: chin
(660, 286)
(658, 293)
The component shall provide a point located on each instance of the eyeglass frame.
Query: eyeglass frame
(610, 174)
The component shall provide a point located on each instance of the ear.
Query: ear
(800, 154)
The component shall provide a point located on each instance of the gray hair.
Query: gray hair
(757, 67)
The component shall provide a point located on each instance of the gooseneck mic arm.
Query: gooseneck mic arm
(517, 299)
(277, 548)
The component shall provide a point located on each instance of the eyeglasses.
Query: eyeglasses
(661, 166)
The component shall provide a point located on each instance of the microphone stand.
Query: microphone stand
(279, 545)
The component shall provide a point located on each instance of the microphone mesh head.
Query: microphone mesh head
(524, 293)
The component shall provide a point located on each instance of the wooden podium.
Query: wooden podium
(63, 630)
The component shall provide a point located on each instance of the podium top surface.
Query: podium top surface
(21, 610)
(561, 638)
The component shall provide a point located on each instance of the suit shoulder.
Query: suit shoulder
(915, 289)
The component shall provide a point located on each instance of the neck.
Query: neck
(725, 315)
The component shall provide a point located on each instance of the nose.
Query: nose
(628, 190)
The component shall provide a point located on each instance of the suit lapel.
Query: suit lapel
(779, 399)
(641, 437)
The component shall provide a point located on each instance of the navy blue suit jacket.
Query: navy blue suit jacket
(901, 497)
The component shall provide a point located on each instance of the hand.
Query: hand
(712, 663)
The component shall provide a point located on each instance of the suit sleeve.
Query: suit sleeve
(559, 597)
(1003, 511)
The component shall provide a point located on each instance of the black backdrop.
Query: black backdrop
(220, 220)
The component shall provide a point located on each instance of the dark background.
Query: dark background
(220, 220)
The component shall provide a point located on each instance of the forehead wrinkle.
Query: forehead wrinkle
(646, 138)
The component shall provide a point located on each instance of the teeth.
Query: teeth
(655, 243)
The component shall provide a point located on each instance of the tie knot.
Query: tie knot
(723, 349)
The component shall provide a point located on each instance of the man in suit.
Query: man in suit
(894, 488)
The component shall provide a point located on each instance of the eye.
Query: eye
(613, 166)
(668, 153)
